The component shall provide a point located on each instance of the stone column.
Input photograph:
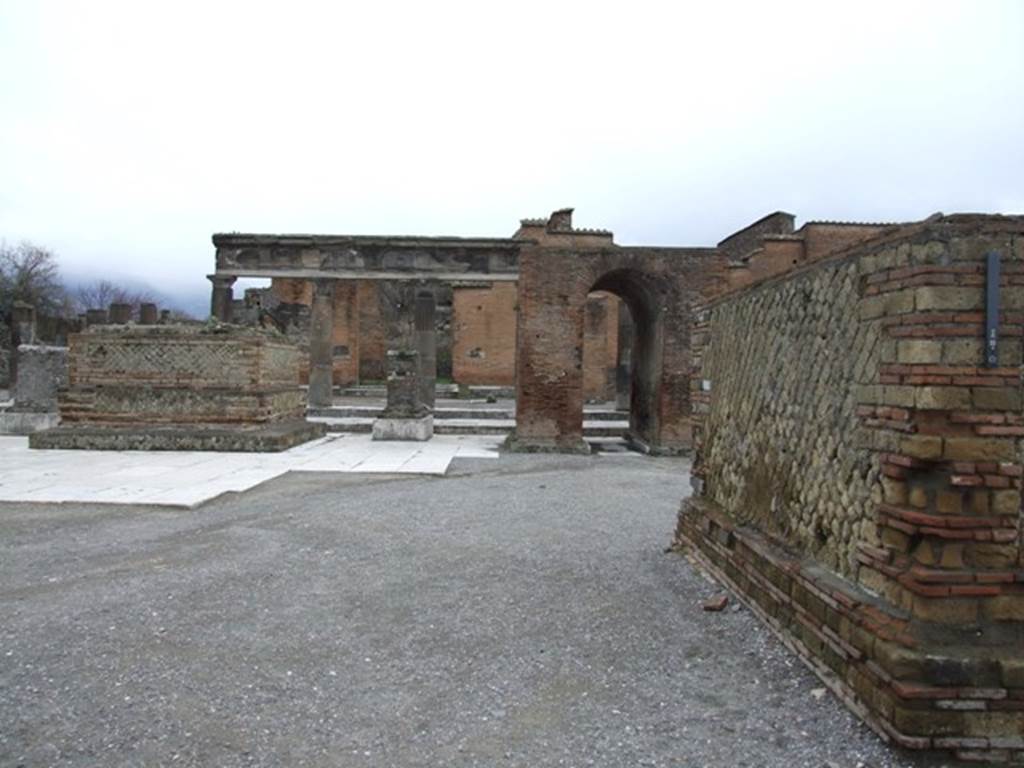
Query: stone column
(148, 314)
(120, 314)
(95, 317)
(165, 316)
(321, 345)
(426, 347)
(220, 302)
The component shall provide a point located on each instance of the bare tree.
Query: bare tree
(102, 293)
(29, 273)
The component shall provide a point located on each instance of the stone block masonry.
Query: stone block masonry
(175, 387)
(858, 476)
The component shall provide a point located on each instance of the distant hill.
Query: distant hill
(194, 302)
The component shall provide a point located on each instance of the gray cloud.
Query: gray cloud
(133, 131)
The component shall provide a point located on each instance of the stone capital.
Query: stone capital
(222, 281)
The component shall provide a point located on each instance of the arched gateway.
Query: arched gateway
(659, 286)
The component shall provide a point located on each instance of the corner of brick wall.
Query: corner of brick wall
(922, 636)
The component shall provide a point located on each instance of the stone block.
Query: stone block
(942, 398)
(418, 429)
(978, 449)
(886, 305)
(963, 352)
(922, 447)
(900, 396)
(939, 297)
(914, 351)
(996, 398)
(1006, 502)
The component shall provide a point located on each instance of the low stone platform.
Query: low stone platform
(181, 388)
(263, 438)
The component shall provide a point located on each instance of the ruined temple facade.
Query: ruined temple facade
(564, 314)
(475, 324)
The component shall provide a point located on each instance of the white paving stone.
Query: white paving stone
(189, 478)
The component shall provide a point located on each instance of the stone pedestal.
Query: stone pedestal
(95, 317)
(120, 314)
(405, 417)
(42, 372)
(148, 314)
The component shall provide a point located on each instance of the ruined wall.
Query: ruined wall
(780, 447)
(484, 334)
(858, 476)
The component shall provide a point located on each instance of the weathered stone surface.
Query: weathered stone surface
(781, 439)
(42, 371)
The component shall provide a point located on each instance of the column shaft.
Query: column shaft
(321, 345)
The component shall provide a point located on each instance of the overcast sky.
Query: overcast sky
(131, 131)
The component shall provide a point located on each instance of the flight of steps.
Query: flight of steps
(480, 419)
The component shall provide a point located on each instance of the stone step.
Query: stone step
(380, 390)
(611, 429)
(446, 413)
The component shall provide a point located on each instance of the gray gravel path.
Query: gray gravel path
(519, 612)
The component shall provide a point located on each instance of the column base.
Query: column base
(420, 429)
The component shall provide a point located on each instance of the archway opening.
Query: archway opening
(632, 370)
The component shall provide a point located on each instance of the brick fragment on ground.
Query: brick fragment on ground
(716, 603)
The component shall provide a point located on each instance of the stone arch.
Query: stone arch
(657, 286)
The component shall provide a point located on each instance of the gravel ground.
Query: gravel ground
(519, 612)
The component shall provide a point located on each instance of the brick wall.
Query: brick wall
(858, 474)
(484, 334)
(600, 347)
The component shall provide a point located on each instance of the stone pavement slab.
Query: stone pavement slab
(189, 478)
